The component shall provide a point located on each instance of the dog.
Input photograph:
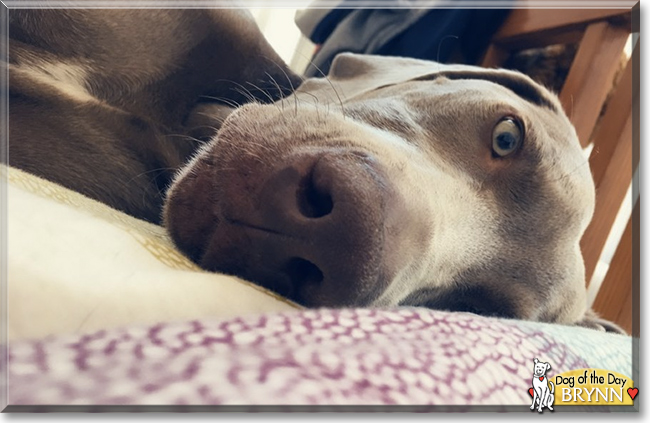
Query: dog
(393, 181)
(397, 182)
(111, 102)
(543, 389)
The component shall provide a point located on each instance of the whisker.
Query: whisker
(149, 171)
(228, 101)
(282, 96)
(187, 136)
(214, 128)
(247, 94)
(440, 44)
(263, 91)
(221, 120)
(580, 166)
(293, 89)
(331, 85)
(316, 102)
(266, 94)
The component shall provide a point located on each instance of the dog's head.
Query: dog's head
(397, 182)
(540, 368)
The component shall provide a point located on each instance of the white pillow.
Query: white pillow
(76, 265)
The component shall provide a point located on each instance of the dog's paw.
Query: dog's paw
(592, 321)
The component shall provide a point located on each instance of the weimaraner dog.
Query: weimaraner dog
(391, 182)
(109, 102)
(397, 181)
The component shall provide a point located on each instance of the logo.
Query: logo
(543, 390)
(579, 387)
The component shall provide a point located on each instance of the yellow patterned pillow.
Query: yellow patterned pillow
(76, 265)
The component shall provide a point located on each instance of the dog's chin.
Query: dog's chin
(250, 253)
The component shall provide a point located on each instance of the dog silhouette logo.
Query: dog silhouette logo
(543, 390)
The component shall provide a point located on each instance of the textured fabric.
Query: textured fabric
(407, 356)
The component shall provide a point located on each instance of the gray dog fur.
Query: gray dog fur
(377, 186)
(419, 211)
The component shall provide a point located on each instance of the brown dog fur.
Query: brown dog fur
(101, 101)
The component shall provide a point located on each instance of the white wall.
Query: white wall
(279, 28)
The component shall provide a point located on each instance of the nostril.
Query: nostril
(312, 201)
(303, 272)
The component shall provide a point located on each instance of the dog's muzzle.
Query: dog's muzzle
(310, 226)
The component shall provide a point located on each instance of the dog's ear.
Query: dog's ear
(548, 366)
(354, 74)
(379, 69)
(536, 360)
(591, 320)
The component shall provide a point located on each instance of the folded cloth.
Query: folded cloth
(410, 29)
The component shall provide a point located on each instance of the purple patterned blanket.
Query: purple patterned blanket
(358, 356)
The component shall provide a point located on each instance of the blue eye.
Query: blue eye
(506, 137)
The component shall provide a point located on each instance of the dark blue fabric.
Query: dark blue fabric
(443, 35)
(441, 31)
(325, 27)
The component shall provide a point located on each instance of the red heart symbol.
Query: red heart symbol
(541, 378)
(632, 392)
(531, 391)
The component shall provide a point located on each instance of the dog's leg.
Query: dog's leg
(551, 397)
(540, 397)
(101, 100)
(535, 399)
(102, 152)
(543, 397)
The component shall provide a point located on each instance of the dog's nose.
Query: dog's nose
(316, 233)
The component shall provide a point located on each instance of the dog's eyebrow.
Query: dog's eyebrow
(518, 83)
